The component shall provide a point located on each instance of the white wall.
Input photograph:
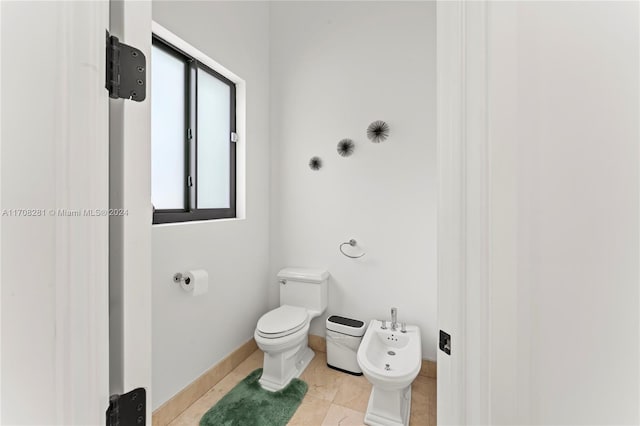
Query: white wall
(335, 68)
(192, 334)
(564, 129)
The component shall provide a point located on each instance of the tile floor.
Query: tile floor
(333, 398)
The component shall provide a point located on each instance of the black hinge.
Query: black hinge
(126, 71)
(445, 342)
(129, 409)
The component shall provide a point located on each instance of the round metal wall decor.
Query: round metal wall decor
(315, 163)
(378, 131)
(346, 147)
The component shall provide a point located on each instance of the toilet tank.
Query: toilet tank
(306, 288)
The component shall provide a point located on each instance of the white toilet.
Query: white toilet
(283, 333)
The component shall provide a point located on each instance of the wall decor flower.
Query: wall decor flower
(346, 147)
(378, 131)
(315, 163)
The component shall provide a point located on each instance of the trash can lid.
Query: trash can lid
(349, 326)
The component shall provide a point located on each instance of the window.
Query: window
(193, 125)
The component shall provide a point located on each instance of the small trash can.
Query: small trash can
(343, 339)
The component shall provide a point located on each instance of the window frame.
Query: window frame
(190, 212)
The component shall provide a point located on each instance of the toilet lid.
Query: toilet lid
(282, 320)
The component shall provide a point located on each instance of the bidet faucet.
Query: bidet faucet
(394, 319)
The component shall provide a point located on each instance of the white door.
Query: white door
(538, 216)
(130, 234)
(54, 241)
(463, 213)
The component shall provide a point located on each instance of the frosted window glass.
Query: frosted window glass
(168, 76)
(214, 131)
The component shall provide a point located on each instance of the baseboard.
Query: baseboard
(317, 343)
(428, 368)
(171, 409)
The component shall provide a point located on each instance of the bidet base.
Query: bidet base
(388, 408)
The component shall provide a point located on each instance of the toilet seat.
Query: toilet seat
(282, 321)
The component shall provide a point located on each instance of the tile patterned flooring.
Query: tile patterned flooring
(333, 398)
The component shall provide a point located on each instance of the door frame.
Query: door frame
(130, 234)
(464, 227)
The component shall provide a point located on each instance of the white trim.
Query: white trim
(478, 214)
(178, 42)
(130, 235)
(1, 206)
(463, 212)
(450, 404)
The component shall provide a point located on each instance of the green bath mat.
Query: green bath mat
(248, 404)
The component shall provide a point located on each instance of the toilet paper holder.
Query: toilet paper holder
(179, 277)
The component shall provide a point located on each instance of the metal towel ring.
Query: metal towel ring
(351, 243)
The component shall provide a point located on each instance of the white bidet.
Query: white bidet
(390, 360)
